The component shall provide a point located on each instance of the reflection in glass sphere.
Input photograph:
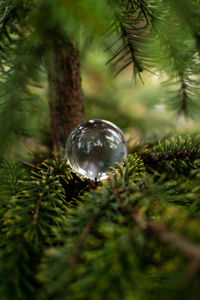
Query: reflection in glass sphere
(93, 147)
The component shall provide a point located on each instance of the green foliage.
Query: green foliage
(29, 222)
(91, 225)
(101, 108)
(107, 249)
(25, 49)
(134, 235)
(178, 52)
(132, 26)
(11, 174)
(141, 34)
(178, 155)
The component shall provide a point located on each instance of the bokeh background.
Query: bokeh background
(165, 40)
(140, 108)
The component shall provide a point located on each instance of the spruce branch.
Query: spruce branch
(186, 247)
(116, 239)
(184, 95)
(184, 100)
(28, 226)
(177, 59)
(179, 154)
(28, 164)
(132, 26)
(83, 222)
(81, 240)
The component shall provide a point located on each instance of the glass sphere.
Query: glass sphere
(93, 147)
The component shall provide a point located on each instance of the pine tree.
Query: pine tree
(136, 234)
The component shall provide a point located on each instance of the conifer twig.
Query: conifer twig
(28, 164)
(36, 213)
(171, 155)
(186, 247)
(82, 238)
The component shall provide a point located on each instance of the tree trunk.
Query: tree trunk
(65, 92)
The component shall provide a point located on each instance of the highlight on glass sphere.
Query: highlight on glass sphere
(93, 147)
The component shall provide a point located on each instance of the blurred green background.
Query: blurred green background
(141, 109)
(159, 36)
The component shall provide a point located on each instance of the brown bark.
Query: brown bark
(65, 92)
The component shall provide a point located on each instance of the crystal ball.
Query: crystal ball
(93, 147)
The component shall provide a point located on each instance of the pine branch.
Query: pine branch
(100, 234)
(179, 154)
(28, 227)
(16, 96)
(185, 100)
(189, 13)
(83, 222)
(180, 63)
(184, 94)
(132, 26)
(112, 241)
(186, 247)
(11, 176)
